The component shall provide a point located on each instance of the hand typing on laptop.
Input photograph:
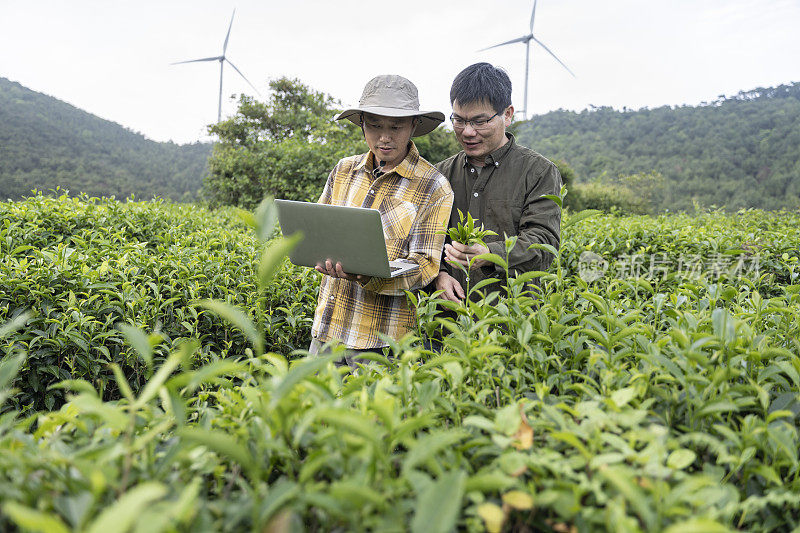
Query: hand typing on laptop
(335, 271)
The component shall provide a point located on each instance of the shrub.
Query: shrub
(606, 197)
(82, 266)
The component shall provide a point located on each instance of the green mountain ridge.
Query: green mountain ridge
(46, 143)
(737, 152)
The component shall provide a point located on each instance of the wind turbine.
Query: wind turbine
(222, 59)
(527, 40)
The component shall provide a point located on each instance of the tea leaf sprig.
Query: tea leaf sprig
(466, 231)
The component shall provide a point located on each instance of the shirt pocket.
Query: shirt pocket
(503, 213)
(397, 216)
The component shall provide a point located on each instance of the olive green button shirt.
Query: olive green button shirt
(505, 196)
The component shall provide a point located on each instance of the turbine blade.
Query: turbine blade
(540, 43)
(517, 40)
(242, 75)
(196, 60)
(533, 14)
(225, 46)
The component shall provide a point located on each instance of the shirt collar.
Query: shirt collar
(496, 157)
(404, 169)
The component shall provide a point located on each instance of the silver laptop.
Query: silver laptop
(352, 236)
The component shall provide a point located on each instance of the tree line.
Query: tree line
(46, 143)
(737, 152)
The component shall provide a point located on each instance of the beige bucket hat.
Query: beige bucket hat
(390, 95)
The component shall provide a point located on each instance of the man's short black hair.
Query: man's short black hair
(482, 82)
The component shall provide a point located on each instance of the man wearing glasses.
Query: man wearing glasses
(497, 181)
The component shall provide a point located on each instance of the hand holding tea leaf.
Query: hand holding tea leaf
(465, 231)
(466, 255)
(467, 242)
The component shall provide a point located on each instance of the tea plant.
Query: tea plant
(466, 232)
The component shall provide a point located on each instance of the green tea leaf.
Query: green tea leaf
(438, 506)
(483, 283)
(279, 495)
(77, 385)
(355, 494)
(622, 479)
(299, 371)
(110, 414)
(122, 514)
(122, 383)
(237, 318)
(13, 325)
(697, 525)
(33, 520)
(354, 423)
(427, 446)
(493, 258)
(222, 443)
(579, 217)
(785, 440)
(160, 377)
(206, 374)
(717, 406)
(680, 459)
(272, 257)
(553, 197)
(9, 366)
(573, 440)
(266, 216)
(139, 341)
(768, 473)
(622, 397)
(489, 482)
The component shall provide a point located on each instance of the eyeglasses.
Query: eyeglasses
(477, 123)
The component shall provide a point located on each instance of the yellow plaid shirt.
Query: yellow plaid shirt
(414, 201)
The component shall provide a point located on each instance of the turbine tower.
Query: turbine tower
(222, 59)
(527, 40)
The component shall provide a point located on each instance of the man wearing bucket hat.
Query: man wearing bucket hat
(414, 201)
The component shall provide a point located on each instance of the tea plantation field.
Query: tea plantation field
(149, 381)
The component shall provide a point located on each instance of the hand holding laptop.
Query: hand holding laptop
(335, 271)
(340, 241)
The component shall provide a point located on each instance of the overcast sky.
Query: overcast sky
(112, 58)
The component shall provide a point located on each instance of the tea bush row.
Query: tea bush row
(673, 243)
(82, 266)
(618, 403)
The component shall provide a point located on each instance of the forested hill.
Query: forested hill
(740, 151)
(45, 143)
